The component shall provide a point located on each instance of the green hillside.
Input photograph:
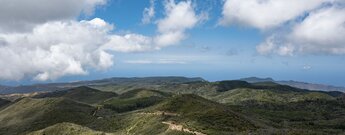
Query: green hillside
(135, 99)
(143, 93)
(213, 90)
(242, 95)
(81, 94)
(204, 115)
(186, 108)
(307, 117)
(34, 114)
(4, 102)
(67, 129)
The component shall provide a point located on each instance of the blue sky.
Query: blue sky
(219, 41)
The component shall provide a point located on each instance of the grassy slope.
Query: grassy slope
(240, 95)
(142, 93)
(314, 116)
(193, 112)
(204, 115)
(33, 114)
(3, 103)
(135, 99)
(224, 91)
(67, 129)
(279, 108)
(81, 94)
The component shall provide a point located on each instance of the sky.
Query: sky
(69, 40)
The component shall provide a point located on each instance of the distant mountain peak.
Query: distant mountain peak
(257, 79)
(297, 84)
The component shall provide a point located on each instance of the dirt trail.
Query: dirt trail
(173, 125)
(95, 112)
(162, 113)
(177, 127)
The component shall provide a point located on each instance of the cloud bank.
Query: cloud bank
(294, 26)
(55, 44)
(23, 15)
(55, 49)
(171, 30)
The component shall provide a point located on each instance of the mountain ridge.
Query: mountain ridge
(114, 80)
(297, 84)
(159, 80)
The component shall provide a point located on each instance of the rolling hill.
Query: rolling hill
(135, 81)
(296, 84)
(67, 129)
(81, 94)
(123, 84)
(135, 99)
(4, 102)
(204, 115)
(34, 114)
(176, 107)
(242, 95)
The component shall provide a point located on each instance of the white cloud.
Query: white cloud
(23, 15)
(307, 67)
(179, 18)
(265, 14)
(130, 43)
(294, 26)
(55, 49)
(273, 45)
(169, 38)
(56, 45)
(158, 61)
(267, 47)
(322, 32)
(148, 13)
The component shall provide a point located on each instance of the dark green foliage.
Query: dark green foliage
(125, 105)
(205, 115)
(66, 129)
(319, 116)
(135, 99)
(220, 108)
(4, 102)
(34, 114)
(143, 93)
(229, 85)
(81, 94)
(333, 93)
(224, 86)
(52, 94)
(173, 132)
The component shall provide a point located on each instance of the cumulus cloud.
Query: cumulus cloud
(265, 14)
(55, 49)
(53, 44)
(23, 15)
(307, 67)
(179, 18)
(274, 44)
(322, 32)
(148, 13)
(130, 43)
(294, 26)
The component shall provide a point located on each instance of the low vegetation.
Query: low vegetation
(176, 108)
